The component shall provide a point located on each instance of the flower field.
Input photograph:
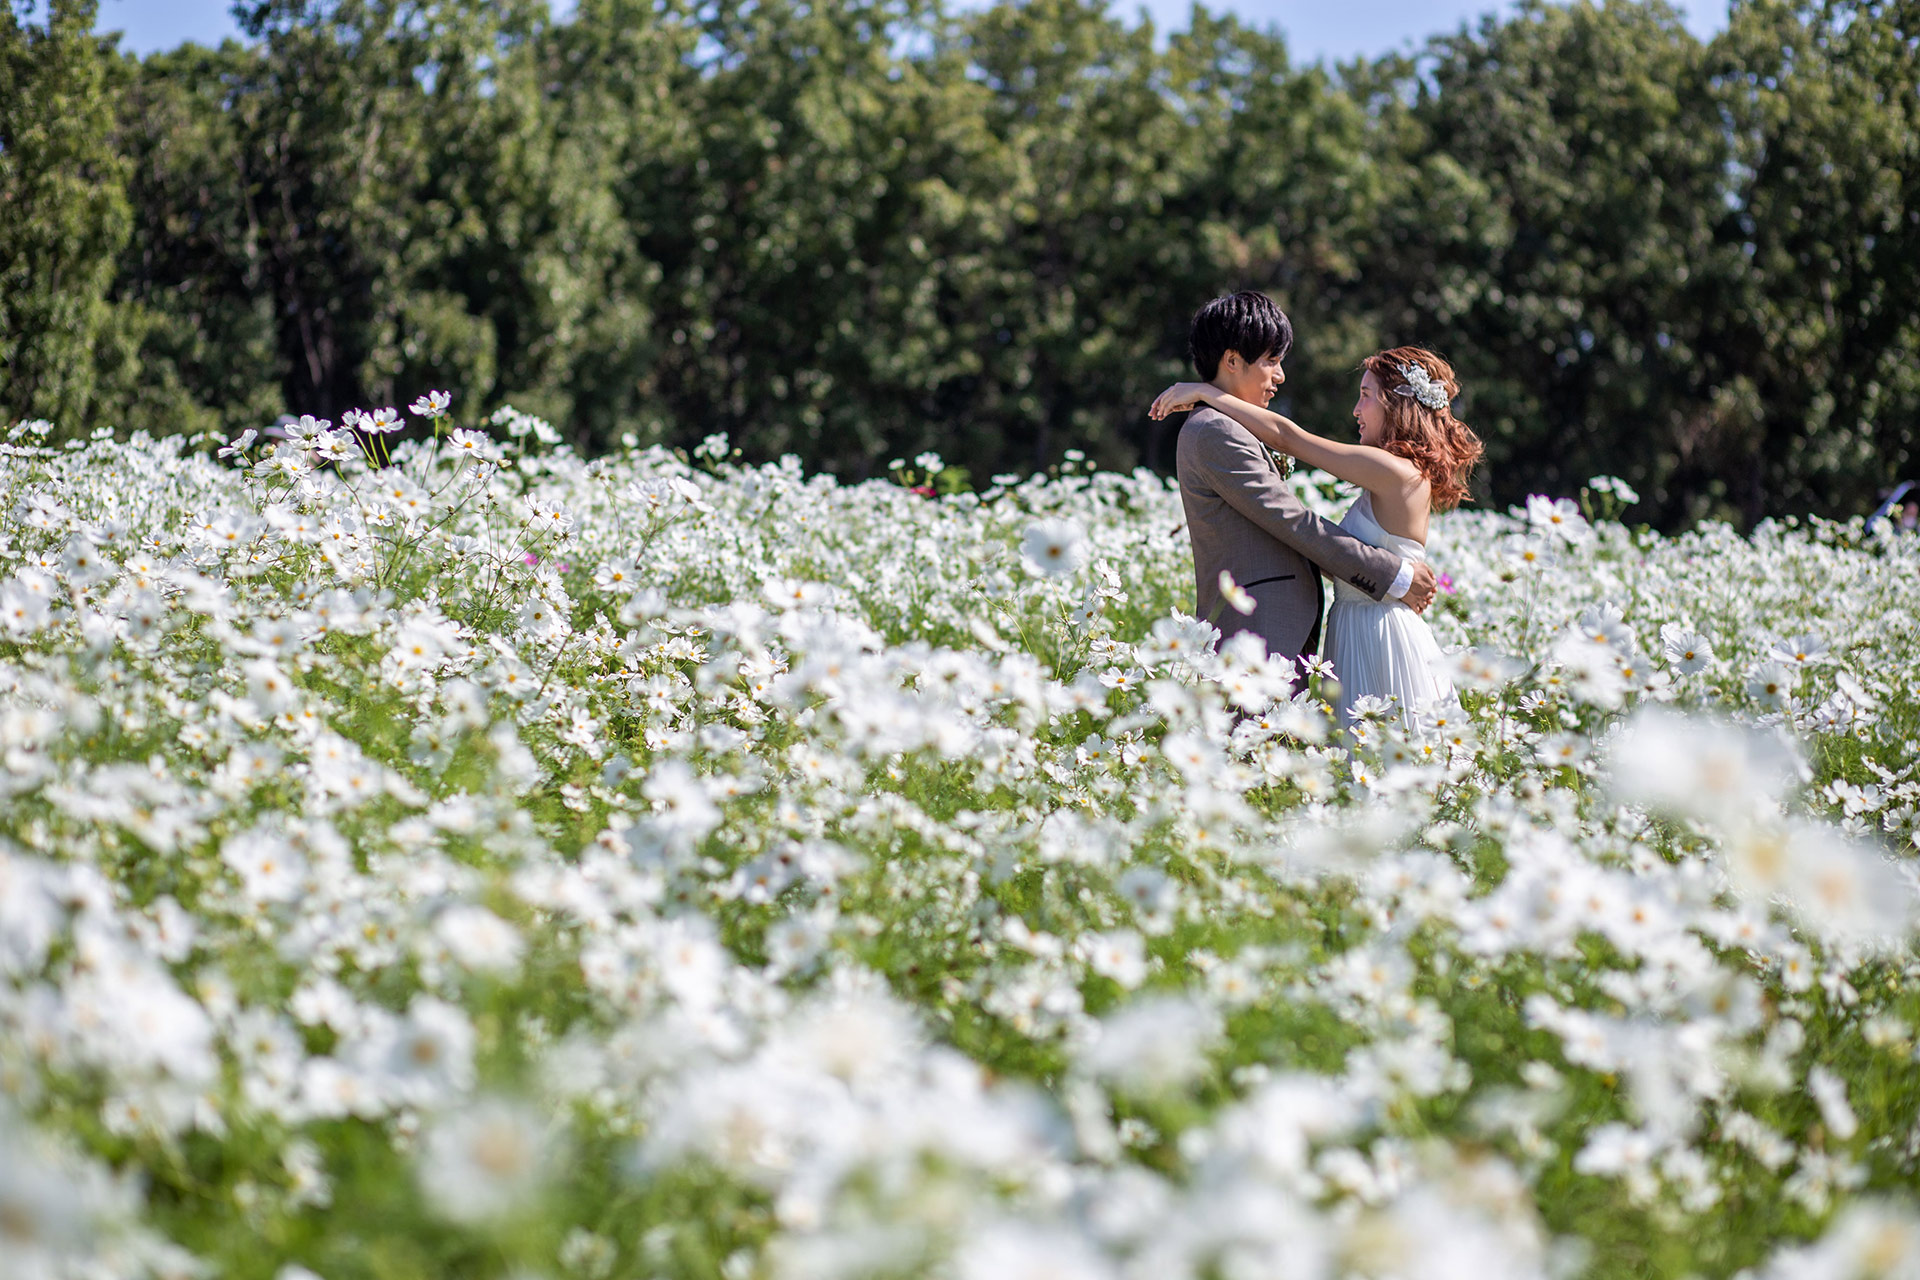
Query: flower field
(496, 863)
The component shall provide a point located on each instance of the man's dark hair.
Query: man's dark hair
(1246, 322)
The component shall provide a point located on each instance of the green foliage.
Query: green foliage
(63, 208)
(860, 229)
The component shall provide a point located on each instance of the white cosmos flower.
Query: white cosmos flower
(478, 939)
(681, 803)
(1688, 651)
(1870, 1239)
(1847, 891)
(1771, 684)
(431, 405)
(1694, 767)
(429, 1058)
(1119, 954)
(1559, 517)
(1236, 595)
(1798, 651)
(1830, 1094)
(1055, 547)
(485, 1162)
(270, 868)
(1156, 1043)
(58, 1213)
(1022, 1251)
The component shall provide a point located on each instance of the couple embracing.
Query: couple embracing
(1258, 549)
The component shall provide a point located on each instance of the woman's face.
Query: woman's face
(1370, 411)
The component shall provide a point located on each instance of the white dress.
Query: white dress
(1381, 647)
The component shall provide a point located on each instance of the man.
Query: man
(1242, 515)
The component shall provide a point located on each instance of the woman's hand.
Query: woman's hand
(1178, 398)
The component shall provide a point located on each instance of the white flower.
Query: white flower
(860, 1036)
(488, 1161)
(1155, 1044)
(617, 576)
(240, 444)
(59, 1214)
(468, 443)
(270, 868)
(787, 593)
(794, 943)
(1616, 486)
(1055, 547)
(1849, 892)
(1023, 1251)
(1616, 1151)
(1870, 1239)
(1120, 955)
(1558, 516)
(1562, 749)
(431, 405)
(1699, 768)
(430, 1058)
(681, 804)
(1235, 595)
(1688, 651)
(1770, 684)
(1830, 1094)
(1800, 650)
(478, 940)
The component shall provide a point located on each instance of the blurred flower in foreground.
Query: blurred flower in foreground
(485, 1161)
(1684, 767)
(1235, 595)
(1154, 1045)
(1055, 548)
(1869, 1240)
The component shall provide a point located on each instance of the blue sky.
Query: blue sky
(1314, 28)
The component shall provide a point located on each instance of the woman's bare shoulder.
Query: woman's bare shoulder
(1405, 471)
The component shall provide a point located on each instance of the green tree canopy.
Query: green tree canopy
(859, 229)
(63, 206)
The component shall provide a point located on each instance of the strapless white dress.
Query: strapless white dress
(1381, 647)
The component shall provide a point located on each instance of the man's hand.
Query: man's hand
(1420, 594)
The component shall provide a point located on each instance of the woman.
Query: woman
(1413, 459)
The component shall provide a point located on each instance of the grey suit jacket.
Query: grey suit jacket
(1243, 518)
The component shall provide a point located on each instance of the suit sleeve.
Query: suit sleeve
(1246, 481)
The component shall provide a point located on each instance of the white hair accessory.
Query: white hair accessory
(1421, 386)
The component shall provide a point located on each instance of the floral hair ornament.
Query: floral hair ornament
(1421, 386)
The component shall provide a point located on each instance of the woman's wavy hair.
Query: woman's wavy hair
(1443, 447)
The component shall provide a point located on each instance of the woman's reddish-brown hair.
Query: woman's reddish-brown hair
(1443, 447)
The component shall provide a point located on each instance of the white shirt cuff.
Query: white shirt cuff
(1401, 581)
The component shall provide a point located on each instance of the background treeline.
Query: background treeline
(857, 230)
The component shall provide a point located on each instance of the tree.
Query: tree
(63, 209)
(196, 345)
(1553, 233)
(1820, 331)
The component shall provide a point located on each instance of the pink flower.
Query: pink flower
(531, 558)
(1444, 582)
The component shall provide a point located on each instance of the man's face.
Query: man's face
(1254, 381)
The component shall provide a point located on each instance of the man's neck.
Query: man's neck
(1229, 387)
